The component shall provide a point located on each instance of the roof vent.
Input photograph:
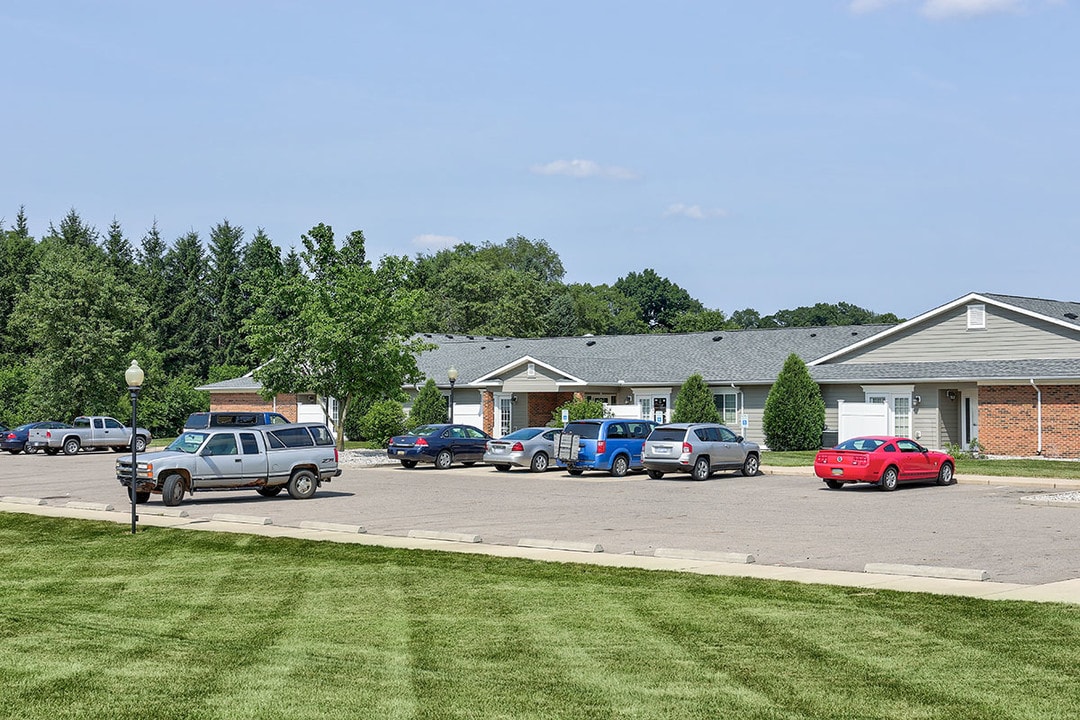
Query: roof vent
(450, 336)
(506, 346)
(470, 337)
(813, 334)
(854, 332)
(1070, 315)
(717, 338)
(427, 335)
(483, 347)
(590, 343)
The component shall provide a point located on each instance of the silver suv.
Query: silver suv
(699, 449)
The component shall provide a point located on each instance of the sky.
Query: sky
(893, 154)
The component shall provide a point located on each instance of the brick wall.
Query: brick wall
(487, 408)
(252, 402)
(1009, 420)
(541, 405)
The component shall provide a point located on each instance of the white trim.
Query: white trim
(492, 376)
(976, 316)
(888, 389)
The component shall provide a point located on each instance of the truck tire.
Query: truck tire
(71, 446)
(172, 489)
(140, 444)
(269, 491)
(302, 485)
(140, 497)
(51, 451)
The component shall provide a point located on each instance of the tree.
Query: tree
(429, 407)
(579, 410)
(695, 403)
(702, 321)
(604, 310)
(224, 295)
(660, 301)
(383, 420)
(794, 410)
(184, 328)
(348, 333)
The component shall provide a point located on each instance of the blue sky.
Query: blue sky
(895, 154)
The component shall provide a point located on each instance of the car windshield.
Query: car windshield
(587, 430)
(188, 442)
(427, 430)
(523, 434)
(866, 444)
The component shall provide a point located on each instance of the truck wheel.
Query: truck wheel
(71, 446)
(302, 485)
(172, 489)
(51, 451)
(140, 497)
(269, 491)
(140, 443)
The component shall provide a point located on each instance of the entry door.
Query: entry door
(969, 418)
(504, 409)
(899, 411)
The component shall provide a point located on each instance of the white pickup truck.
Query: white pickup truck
(88, 432)
(267, 458)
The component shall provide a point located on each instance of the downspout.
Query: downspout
(1038, 406)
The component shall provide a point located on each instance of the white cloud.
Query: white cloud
(694, 212)
(435, 242)
(584, 168)
(941, 9)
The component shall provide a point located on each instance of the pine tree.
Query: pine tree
(794, 411)
(227, 345)
(429, 406)
(695, 403)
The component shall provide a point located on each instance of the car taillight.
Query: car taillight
(518, 447)
(11, 436)
(48, 433)
(687, 448)
(335, 454)
(601, 446)
(420, 441)
(863, 459)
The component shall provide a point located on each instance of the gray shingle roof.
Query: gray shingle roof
(1054, 309)
(970, 370)
(240, 384)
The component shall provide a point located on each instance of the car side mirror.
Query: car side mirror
(739, 438)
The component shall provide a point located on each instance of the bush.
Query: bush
(383, 420)
(695, 403)
(579, 410)
(429, 407)
(794, 411)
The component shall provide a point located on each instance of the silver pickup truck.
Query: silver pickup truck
(267, 458)
(94, 431)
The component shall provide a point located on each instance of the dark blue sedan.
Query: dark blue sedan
(442, 444)
(14, 440)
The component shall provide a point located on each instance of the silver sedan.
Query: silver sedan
(531, 447)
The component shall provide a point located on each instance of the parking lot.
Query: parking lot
(782, 520)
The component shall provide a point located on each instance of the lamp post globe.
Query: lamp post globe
(452, 376)
(134, 377)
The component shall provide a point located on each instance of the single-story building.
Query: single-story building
(999, 370)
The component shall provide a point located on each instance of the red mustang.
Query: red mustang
(884, 461)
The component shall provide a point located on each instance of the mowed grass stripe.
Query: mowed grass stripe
(182, 624)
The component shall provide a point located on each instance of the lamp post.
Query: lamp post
(451, 374)
(134, 377)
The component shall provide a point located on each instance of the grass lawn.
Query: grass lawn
(95, 623)
(1028, 467)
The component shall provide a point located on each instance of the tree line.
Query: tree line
(77, 304)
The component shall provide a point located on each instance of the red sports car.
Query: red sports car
(884, 461)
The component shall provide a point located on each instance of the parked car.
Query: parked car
(883, 461)
(270, 458)
(93, 432)
(698, 449)
(15, 439)
(203, 420)
(531, 447)
(441, 443)
(611, 444)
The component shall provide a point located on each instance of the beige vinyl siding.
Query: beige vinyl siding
(518, 380)
(1008, 336)
(754, 408)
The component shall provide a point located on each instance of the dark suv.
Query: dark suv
(204, 420)
(612, 444)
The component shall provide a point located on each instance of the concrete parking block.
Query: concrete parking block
(246, 519)
(725, 557)
(331, 527)
(15, 500)
(104, 507)
(450, 536)
(561, 545)
(165, 512)
(929, 571)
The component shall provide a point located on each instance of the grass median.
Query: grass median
(1005, 467)
(96, 623)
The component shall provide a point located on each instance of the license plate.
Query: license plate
(662, 451)
(838, 471)
(497, 450)
(400, 452)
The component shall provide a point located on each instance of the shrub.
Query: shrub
(383, 420)
(695, 403)
(429, 406)
(794, 411)
(579, 410)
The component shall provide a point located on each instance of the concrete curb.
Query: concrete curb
(561, 545)
(15, 500)
(928, 571)
(448, 536)
(103, 507)
(677, 554)
(331, 527)
(245, 519)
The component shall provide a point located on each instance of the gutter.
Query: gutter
(1038, 406)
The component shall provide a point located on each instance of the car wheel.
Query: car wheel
(51, 451)
(172, 489)
(502, 468)
(71, 446)
(140, 444)
(539, 462)
(268, 491)
(408, 463)
(619, 466)
(751, 465)
(655, 474)
(946, 475)
(29, 450)
(834, 484)
(701, 470)
(302, 485)
(140, 497)
(890, 479)
(468, 463)
(443, 459)
(575, 471)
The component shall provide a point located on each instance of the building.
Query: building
(999, 370)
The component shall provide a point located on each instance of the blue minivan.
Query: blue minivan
(611, 444)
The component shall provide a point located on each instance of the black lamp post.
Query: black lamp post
(134, 377)
(451, 374)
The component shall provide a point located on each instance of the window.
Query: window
(474, 434)
(249, 443)
(222, 444)
(291, 437)
(113, 424)
(727, 436)
(976, 317)
(616, 431)
(322, 434)
(98, 423)
(727, 404)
